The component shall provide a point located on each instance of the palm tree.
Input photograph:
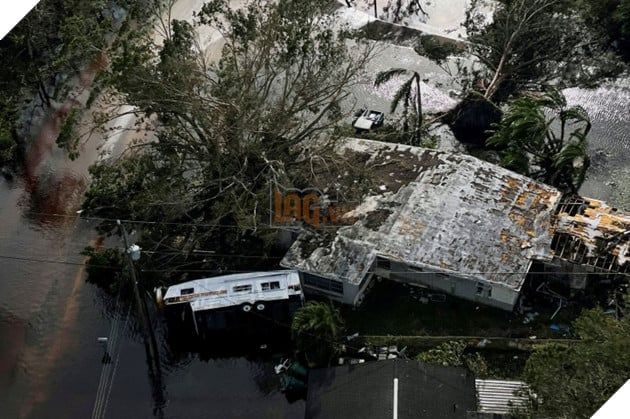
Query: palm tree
(548, 146)
(316, 330)
(403, 95)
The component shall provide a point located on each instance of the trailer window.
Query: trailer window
(186, 291)
(242, 288)
(266, 286)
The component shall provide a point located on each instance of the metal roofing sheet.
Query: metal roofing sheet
(501, 396)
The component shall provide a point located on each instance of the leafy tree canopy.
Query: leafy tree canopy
(225, 132)
(316, 329)
(452, 354)
(410, 96)
(49, 46)
(574, 381)
(610, 19)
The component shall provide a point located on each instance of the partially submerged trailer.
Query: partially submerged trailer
(235, 302)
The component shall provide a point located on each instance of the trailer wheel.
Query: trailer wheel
(260, 306)
(247, 308)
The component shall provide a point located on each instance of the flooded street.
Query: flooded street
(50, 362)
(50, 318)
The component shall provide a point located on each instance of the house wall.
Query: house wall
(344, 292)
(494, 295)
(321, 285)
(564, 272)
(482, 292)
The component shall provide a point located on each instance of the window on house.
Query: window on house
(242, 288)
(275, 285)
(484, 290)
(336, 286)
(322, 283)
(186, 291)
(384, 264)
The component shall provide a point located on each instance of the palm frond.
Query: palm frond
(385, 76)
(577, 114)
(570, 153)
(404, 91)
(553, 99)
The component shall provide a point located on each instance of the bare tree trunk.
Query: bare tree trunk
(43, 94)
(498, 74)
(418, 108)
(496, 79)
(375, 10)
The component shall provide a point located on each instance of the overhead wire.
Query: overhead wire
(191, 224)
(65, 262)
(108, 371)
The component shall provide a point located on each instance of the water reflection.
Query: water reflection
(609, 140)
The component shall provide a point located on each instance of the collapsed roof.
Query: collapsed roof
(447, 212)
(591, 233)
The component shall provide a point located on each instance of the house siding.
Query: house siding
(491, 294)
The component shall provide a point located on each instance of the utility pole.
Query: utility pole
(149, 334)
(375, 10)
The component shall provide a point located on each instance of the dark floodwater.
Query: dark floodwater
(50, 362)
(609, 141)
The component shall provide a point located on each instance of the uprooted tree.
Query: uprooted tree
(529, 43)
(225, 131)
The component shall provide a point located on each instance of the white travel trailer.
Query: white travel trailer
(233, 302)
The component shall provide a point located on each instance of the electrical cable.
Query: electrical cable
(65, 262)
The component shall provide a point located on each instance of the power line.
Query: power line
(65, 262)
(111, 383)
(192, 223)
(61, 262)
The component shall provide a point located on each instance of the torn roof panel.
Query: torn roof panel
(457, 214)
(590, 232)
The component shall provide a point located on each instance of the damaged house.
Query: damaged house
(459, 225)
